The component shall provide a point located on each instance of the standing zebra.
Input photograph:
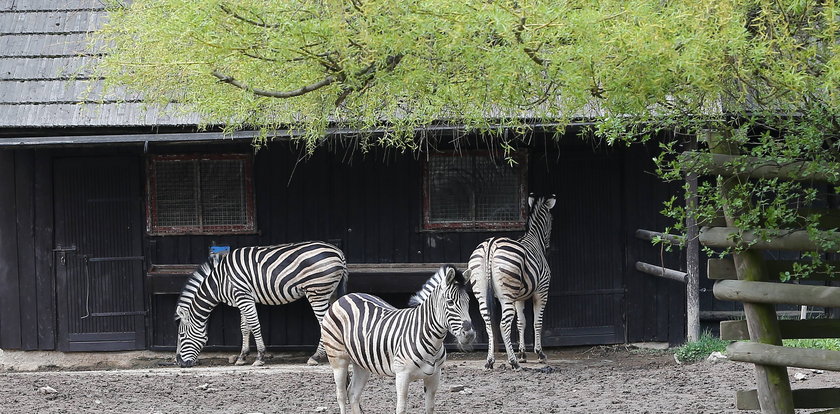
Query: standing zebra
(404, 343)
(515, 270)
(270, 275)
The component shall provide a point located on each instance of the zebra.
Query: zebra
(378, 338)
(515, 270)
(269, 275)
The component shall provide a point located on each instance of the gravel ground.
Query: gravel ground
(593, 380)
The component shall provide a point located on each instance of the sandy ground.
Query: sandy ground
(579, 380)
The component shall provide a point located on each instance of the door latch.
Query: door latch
(62, 253)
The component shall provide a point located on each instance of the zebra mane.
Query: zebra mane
(194, 281)
(433, 282)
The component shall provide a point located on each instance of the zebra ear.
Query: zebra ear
(450, 275)
(550, 202)
(182, 313)
(531, 201)
(467, 274)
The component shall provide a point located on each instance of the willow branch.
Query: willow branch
(275, 94)
(532, 53)
(247, 20)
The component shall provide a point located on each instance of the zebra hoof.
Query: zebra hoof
(489, 364)
(240, 361)
(515, 365)
(521, 357)
(542, 359)
(258, 363)
(312, 361)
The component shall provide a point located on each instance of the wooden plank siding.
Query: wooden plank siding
(371, 207)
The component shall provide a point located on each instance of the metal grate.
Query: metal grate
(194, 195)
(222, 193)
(473, 189)
(176, 193)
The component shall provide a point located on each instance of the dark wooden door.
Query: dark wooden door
(98, 249)
(586, 255)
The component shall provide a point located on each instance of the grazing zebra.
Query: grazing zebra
(515, 270)
(404, 343)
(270, 275)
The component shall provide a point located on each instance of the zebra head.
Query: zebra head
(539, 216)
(456, 303)
(192, 335)
(192, 331)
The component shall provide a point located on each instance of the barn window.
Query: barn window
(474, 190)
(200, 194)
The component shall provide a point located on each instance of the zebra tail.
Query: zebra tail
(341, 289)
(488, 270)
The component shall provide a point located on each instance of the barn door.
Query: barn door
(98, 254)
(586, 256)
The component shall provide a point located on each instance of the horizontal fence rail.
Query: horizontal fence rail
(777, 293)
(765, 354)
(790, 329)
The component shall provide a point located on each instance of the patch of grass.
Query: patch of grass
(829, 344)
(700, 349)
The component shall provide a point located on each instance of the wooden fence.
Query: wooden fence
(748, 278)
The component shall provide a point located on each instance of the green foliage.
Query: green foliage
(828, 344)
(700, 349)
(762, 75)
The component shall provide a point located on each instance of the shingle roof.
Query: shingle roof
(44, 64)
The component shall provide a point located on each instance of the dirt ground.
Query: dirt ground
(576, 380)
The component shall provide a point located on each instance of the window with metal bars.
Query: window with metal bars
(474, 190)
(200, 194)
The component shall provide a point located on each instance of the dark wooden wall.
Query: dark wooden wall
(371, 207)
(27, 292)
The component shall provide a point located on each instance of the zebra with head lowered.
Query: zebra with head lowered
(404, 343)
(269, 275)
(515, 270)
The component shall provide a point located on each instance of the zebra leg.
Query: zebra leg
(248, 309)
(320, 303)
(430, 387)
(246, 339)
(508, 313)
(482, 297)
(520, 325)
(539, 307)
(402, 381)
(339, 366)
(357, 384)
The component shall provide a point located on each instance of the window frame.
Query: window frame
(249, 227)
(521, 175)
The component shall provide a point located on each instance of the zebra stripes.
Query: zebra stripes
(515, 270)
(404, 343)
(269, 275)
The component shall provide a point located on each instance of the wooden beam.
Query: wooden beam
(782, 356)
(777, 293)
(790, 329)
(739, 315)
(650, 235)
(724, 269)
(722, 237)
(802, 398)
(661, 271)
(729, 165)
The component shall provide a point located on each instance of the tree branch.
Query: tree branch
(532, 53)
(247, 20)
(275, 94)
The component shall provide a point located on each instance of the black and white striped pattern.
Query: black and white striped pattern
(515, 271)
(269, 275)
(375, 337)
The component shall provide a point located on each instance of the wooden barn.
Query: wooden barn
(105, 209)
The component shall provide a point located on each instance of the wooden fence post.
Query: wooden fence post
(773, 384)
